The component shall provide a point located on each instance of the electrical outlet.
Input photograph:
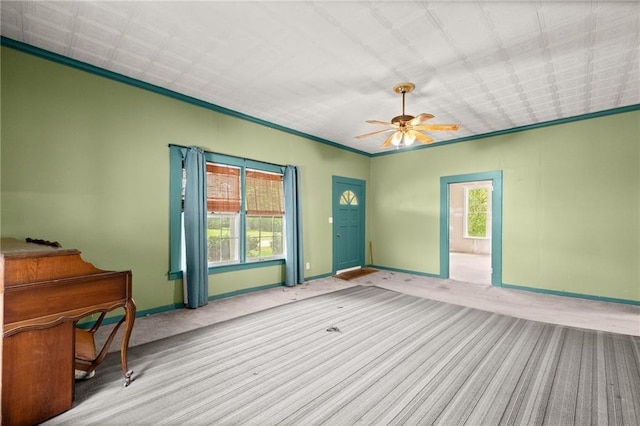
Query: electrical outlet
(307, 266)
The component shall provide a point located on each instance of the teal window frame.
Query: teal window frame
(175, 210)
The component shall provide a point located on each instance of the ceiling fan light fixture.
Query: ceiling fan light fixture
(397, 138)
(409, 138)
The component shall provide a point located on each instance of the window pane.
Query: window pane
(477, 212)
(264, 237)
(223, 238)
(349, 198)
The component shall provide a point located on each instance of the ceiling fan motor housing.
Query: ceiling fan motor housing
(401, 119)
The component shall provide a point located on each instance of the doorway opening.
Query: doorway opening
(471, 227)
(470, 231)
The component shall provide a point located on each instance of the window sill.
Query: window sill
(175, 275)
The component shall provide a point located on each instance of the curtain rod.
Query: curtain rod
(234, 156)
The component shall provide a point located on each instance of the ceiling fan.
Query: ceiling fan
(407, 128)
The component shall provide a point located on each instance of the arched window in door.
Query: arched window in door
(349, 198)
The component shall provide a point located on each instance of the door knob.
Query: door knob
(338, 235)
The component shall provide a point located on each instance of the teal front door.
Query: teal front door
(348, 222)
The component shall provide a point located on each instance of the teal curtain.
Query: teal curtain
(294, 261)
(195, 275)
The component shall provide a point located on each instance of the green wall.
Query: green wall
(571, 208)
(85, 161)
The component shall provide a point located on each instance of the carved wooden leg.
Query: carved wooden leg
(130, 317)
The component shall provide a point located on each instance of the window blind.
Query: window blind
(223, 189)
(264, 194)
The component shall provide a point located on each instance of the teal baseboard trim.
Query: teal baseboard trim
(525, 288)
(406, 271)
(244, 291)
(331, 274)
(159, 310)
(147, 312)
(317, 277)
(114, 319)
(570, 294)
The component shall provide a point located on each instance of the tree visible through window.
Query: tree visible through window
(476, 212)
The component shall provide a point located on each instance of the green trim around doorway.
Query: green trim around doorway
(496, 221)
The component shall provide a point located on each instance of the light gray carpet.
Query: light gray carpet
(389, 359)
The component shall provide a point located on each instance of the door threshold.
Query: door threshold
(348, 269)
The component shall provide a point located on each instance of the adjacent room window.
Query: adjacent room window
(476, 209)
(245, 211)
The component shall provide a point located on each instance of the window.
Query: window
(264, 215)
(349, 198)
(476, 209)
(223, 213)
(245, 212)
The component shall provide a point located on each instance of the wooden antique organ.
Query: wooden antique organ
(44, 291)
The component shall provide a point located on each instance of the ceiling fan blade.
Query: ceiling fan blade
(373, 133)
(420, 118)
(388, 141)
(384, 123)
(422, 138)
(436, 127)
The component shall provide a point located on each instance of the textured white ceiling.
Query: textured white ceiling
(323, 68)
